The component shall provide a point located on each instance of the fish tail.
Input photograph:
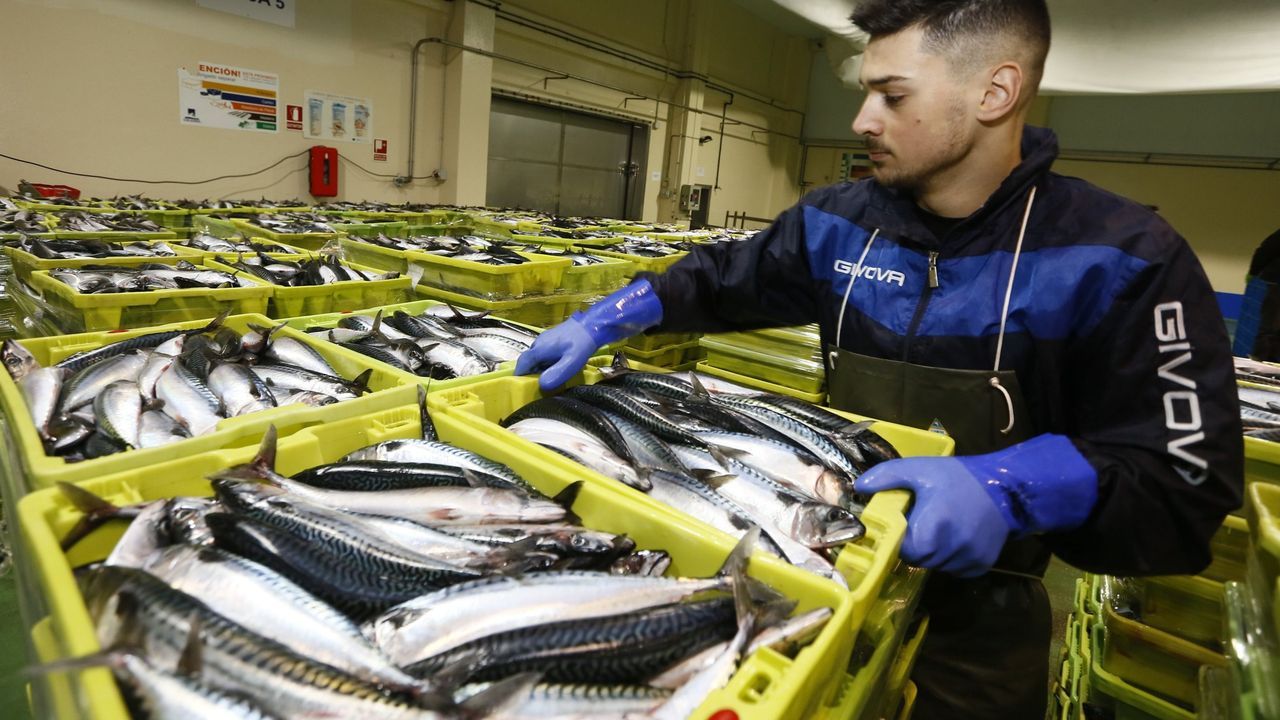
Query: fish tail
(500, 698)
(566, 498)
(263, 466)
(213, 325)
(424, 416)
(96, 512)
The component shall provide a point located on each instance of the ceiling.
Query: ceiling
(1100, 46)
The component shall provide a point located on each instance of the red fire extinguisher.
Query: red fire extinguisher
(324, 171)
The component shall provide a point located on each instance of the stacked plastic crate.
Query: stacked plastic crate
(783, 360)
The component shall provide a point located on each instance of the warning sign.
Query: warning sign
(379, 149)
(293, 116)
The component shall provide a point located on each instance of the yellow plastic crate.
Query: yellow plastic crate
(865, 685)
(754, 382)
(370, 229)
(601, 278)
(1254, 653)
(75, 312)
(336, 297)
(277, 249)
(417, 307)
(900, 671)
(24, 263)
(54, 222)
(218, 227)
(667, 357)
(649, 343)
(1153, 660)
(1264, 524)
(1261, 461)
(1187, 606)
(788, 370)
(389, 390)
(307, 241)
(1230, 548)
(640, 264)
(171, 218)
(588, 243)
(1122, 699)
(908, 705)
(472, 413)
(46, 516)
(541, 311)
(542, 275)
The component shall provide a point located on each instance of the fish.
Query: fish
(240, 390)
(117, 411)
(188, 400)
(156, 429)
(41, 389)
(434, 624)
(580, 446)
(94, 279)
(269, 604)
(156, 340)
(82, 387)
(127, 602)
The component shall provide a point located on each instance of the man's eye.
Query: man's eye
(892, 100)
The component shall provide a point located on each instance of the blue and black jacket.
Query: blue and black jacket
(1113, 331)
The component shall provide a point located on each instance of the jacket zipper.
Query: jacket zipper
(920, 306)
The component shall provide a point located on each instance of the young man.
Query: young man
(1065, 337)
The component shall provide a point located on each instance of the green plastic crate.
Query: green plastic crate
(1230, 548)
(593, 244)
(24, 263)
(53, 219)
(1254, 652)
(538, 311)
(336, 297)
(171, 218)
(754, 382)
(279, 250)
(75, 312)
(217, 227)
(1121, 699)
(389, 390)
(542, 275)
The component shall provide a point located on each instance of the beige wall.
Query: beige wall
(759, 173)
(91, 86)
(1223, 214)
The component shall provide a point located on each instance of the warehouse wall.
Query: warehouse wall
(759, 171)
(90, 85)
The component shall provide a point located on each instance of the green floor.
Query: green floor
(13, 654)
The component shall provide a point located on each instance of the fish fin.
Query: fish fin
(84, 662)
(263, 466)
(500, 698)
(566, 498)
(741, 555)
(723, 454)
(213, 325)
(424, 416)
(96, 512)
(521, 557)
(360, 385)
(856, 429)
(743, 603)
(191, 661)
(699, 390)
(713, 478)
(473, 478)
(619, 367)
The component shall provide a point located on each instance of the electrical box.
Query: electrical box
(324, 171)
(695, 200)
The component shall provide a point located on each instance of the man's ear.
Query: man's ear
(1003, 92)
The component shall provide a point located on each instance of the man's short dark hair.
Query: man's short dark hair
(961, 29)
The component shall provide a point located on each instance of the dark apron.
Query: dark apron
(986, 654)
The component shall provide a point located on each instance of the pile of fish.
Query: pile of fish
(209, 243)
(101, 279)
(579, 258)
(162, 387)
(729, 458)
(1259, 408)
(311, 272)
(18, 220)
(411, 579)
(293, 222)
(433, 344)
(48, 249)
(365, 206)
(134, 202)
(650, 247)
(94, 222)
(473, 248)
(236, 204)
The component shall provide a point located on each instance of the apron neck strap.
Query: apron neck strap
(1004, 312)
(857, 270)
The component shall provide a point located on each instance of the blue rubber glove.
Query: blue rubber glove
(967, 507)
(565, 348)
